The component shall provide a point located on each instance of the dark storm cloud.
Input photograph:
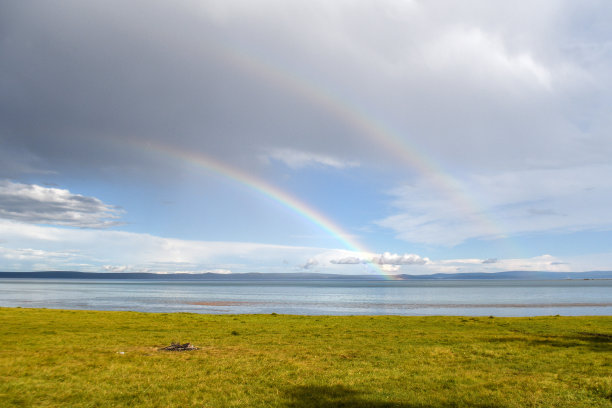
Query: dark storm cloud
(473, 85)
(42, 205)
(78, 79)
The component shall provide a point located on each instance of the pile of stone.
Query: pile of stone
(179, 347)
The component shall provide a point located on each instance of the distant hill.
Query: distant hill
(181, 276)
(509, 275)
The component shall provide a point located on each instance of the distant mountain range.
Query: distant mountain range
(509, 275)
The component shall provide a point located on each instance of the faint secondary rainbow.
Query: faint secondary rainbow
(260, 186)
(366, 125)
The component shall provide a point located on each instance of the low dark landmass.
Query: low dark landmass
(521, 275)
(509, 275)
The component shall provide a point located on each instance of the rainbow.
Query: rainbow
(366, 125)
(260, 186)
(391, 140)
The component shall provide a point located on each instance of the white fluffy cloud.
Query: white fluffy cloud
(45, 205)
(116, 268)
(32, 247)
(386, 258)
(349, 260)
(39, 255)
(119, 251)
(395, 259)
(26, 247)
(219, 271)
(311, 263)
(543, 263)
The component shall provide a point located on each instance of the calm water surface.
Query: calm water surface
(410, 298)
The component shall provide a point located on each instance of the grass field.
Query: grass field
(55, 358)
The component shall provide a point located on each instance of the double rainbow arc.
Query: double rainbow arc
(367, 125)
(260, 186)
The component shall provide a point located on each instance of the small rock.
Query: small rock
(179, 347)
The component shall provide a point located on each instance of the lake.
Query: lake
(318, 297)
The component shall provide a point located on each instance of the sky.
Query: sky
(352, 137)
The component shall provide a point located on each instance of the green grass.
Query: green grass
(51, 358)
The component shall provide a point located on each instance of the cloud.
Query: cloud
(310, 263)
(521, 83)
(44, 205)
(299, 159)
(350, 260)
(36, 259)
(544, 263)
(386, 258)
(490, 120)
(542, 211)
(390, 268)
(395, 259)
(36, 254)
(476, 52)
(116, 268)
(175, 269)
(16, 161)
(220, 271)
(392, 263)
(27, 247)
(35, 247)
(494, 205)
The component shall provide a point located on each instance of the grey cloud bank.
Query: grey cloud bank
(79, 77)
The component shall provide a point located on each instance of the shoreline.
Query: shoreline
(227, 312)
